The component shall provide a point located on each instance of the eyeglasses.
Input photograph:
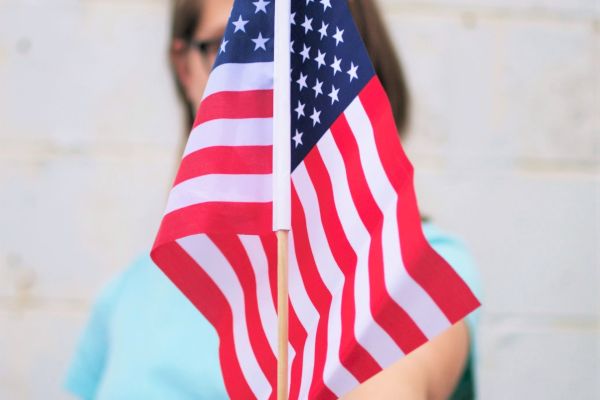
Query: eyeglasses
(208, 49)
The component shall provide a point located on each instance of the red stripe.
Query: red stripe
(318, 294)
(236, 105)
(217, 218)
(386, 312)
(199, 288)
(231, 247)
(226, 160)
(424, 265)
(352, 354)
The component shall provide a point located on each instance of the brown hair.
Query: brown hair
(387, 65)
(185, 17)
(187, 13)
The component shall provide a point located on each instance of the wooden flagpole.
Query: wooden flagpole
(282, 180)
(282, 314)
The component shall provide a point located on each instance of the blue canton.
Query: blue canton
(249, 34)
(330, 66)
(329, 63)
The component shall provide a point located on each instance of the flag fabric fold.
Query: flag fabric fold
(365, 287)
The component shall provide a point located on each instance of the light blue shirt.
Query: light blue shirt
(145, 340)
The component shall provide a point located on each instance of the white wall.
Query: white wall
(506, 137)
(505, 140)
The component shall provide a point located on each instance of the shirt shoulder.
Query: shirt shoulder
(454, 250)
(143, 329)
(89, 360)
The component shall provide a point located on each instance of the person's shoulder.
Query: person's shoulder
(119, 281)
(456, 252)
(138, 265)
(89, 360)
(439, 237)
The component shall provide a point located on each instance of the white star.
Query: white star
(298, 138)
(292, 47)
(300, 109)
(223, 44)
(334, 94)
(259, 42)
(316, 117)
(338, 36)
(302, 82)
(318, 88)
(307, 24)
(336, 65)
(309, 1)
(326, 3)
(352, 71)
(323, 30)
(240, 24)
(305, 53)
(293, 18)
(261, 5)
(320, 59)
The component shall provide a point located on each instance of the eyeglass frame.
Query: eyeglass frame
(205, 47)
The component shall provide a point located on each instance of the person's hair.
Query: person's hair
(187, 14)
(385, 60)
(185, 17)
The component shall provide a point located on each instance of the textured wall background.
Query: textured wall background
(505, 139)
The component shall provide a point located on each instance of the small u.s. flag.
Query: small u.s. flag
(365, 287)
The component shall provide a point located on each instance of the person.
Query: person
(145, 340)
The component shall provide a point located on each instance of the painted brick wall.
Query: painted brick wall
(505, 138)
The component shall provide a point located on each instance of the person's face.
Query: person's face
(193, 61)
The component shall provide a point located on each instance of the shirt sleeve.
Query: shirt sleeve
(88, 363)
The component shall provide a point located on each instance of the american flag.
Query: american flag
(365, 287)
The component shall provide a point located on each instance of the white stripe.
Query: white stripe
(308, 316)
(404, 290)
(335, 375)
(212, 261)
(266, 308)
(235, 77)
(220, 188)
(230, 132)
(367, 331)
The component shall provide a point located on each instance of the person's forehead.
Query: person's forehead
(214, 17)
